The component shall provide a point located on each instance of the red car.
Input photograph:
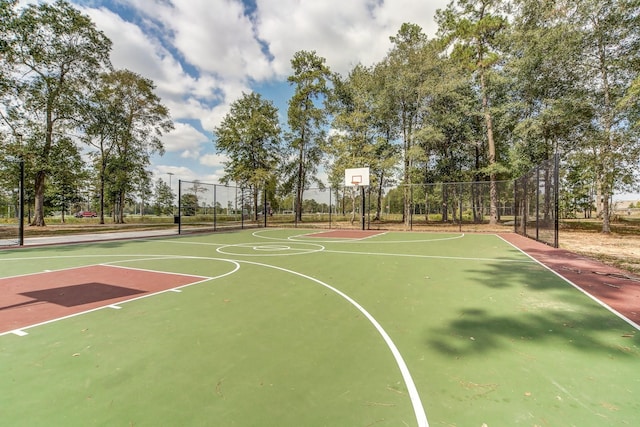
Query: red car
(86, 214)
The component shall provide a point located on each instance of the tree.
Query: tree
(249, 136)
(552, 115)
(404, 76)
(57, 52)
(473, 29)
(68, 173)
(189, 204)
(352, 143)
(124, 121)
(610, 63)
(163, 198)
(307, 118)
(550, 112)
(7, 45)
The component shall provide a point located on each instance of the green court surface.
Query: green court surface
(287, 329)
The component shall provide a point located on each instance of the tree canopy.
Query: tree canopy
(58, 89)
(504, 86)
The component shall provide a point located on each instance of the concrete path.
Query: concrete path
(89, 237)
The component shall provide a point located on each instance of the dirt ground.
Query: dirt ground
(619, 250)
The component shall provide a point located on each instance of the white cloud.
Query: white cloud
(343, 32)
(183, 138)
(202, 54)
(213, 160)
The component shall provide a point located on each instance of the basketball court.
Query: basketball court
(306, 327)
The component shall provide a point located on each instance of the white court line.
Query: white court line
(204, 279)
(145, 270)
(262, 248)
(414, 396)
(145, 257)
(611, 309)
(310, 236)
(296, 238)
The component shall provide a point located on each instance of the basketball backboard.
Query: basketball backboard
(356, 177)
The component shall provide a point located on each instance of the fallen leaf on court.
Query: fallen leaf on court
(75, 354)
(609, 406)
(472, 338)
(528, 393)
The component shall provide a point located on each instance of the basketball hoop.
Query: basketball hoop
(357, 177)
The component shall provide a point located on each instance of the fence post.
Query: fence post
(21, 205)
(264, 204)
(215, 207)
(330, 207)
(363, 206)
(556, 187)
(460, 208)
(179, 206)
(538, 203)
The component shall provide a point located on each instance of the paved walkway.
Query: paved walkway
(90, 237)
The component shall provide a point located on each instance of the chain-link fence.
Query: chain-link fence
(203, 207)
(536, 201)
(10, 224)
(528, 206)
(459, 206)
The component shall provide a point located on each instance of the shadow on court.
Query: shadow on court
(75, 295)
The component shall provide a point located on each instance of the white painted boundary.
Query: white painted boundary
(369, 239)
(414, 396)
(418, 409)
(20, 331)
(611, 309)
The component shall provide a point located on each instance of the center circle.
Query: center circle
(276, 249)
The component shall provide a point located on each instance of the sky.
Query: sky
(203, 54)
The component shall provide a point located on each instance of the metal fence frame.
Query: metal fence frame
(536, 199)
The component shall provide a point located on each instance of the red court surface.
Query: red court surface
(36, 298)
(616, 288)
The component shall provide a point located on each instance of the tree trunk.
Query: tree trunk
(102, 172)
(120, 219)
(606, 223)
(378, 216)
(493, 193)
(41, 175)
(38, 214)
(255, 203)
